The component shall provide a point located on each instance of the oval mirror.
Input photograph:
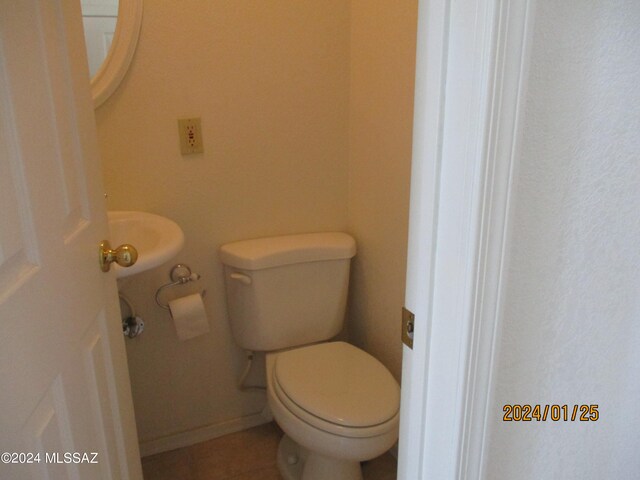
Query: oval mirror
(111, 30)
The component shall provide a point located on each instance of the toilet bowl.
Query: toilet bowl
(338, 407)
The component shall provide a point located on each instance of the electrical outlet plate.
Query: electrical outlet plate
(190, 133)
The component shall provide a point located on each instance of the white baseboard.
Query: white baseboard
(191, 437)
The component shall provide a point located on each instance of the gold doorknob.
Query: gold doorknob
(125, 255)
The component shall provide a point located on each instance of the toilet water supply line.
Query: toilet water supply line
(245, 374)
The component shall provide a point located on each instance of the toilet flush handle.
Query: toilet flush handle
(241, 277)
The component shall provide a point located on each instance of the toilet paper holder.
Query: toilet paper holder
(180, 274)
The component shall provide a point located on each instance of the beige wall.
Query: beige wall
(271, 83)
(306, 112)
(381, 113)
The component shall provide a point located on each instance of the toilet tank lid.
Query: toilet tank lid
(270, 252)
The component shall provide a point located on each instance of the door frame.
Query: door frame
(471, 70)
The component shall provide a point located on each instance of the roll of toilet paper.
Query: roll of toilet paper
(189, 316)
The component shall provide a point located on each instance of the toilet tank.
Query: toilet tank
(287, 291)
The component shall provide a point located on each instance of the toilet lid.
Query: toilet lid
(339, 383)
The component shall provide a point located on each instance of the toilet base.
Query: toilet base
(291, 458)
(297, 463)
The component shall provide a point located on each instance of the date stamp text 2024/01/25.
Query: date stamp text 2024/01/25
(554, 413)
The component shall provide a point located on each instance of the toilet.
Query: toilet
(337, 405)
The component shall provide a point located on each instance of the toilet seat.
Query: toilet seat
(337, 388)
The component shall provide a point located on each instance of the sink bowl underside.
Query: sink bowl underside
(157, 239)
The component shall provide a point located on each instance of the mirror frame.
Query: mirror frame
(123, 46)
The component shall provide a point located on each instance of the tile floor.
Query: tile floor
(247, 455)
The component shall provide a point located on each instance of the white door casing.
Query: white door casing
(471, 62)
(63, 372)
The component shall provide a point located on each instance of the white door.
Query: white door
(63, 373)
(99, 18)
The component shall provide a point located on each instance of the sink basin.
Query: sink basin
(156, 238)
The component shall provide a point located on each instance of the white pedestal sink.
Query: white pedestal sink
(156, 238)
